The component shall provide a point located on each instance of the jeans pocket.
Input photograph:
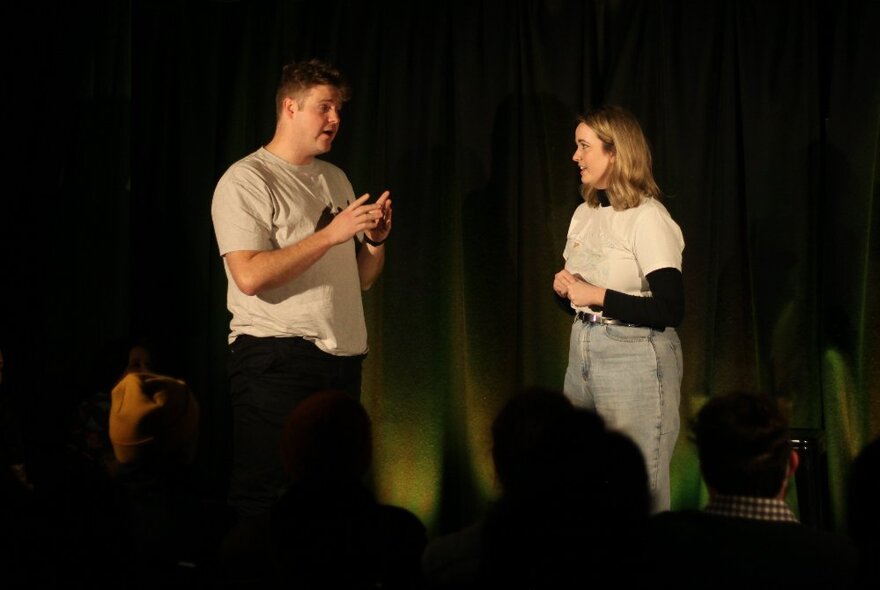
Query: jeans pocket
(627, 333)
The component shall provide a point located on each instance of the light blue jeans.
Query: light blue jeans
(631, 376)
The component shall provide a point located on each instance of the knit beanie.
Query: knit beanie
(152, 415)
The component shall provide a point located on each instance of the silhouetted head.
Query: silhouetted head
(139, 360)
(327, 438)
(573, 495)
(518, 433)
(585, 465)
(744, 444)
(863, 511)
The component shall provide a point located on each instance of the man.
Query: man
(298, 248)
(747, 535)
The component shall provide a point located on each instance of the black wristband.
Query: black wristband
(373, 242)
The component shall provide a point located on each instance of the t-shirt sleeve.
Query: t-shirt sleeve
(658, 241)
(242, 212)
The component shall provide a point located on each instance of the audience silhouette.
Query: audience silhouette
(153, 428)
(573, 508)
(18, 535)
(327, 530)
(13, 451)
(746, 535)
(88, 502)
(574, 497)
(88, 438)
(864, 512)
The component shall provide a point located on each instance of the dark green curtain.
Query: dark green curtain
(764, 120)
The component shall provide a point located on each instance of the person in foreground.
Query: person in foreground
(298, 249)
(746, 535)
(574, 499)
(622, 278)
(154, 430)
(327, 530)
(863, 512)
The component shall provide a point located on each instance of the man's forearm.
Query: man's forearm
(255, 271)
(370, 261)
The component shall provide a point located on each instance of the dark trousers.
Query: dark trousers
(268, 377)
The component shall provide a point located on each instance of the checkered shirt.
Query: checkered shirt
(751, 507)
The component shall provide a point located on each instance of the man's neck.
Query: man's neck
(282, 149)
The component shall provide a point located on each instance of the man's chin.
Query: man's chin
(325, 141)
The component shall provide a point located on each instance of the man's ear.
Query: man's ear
(289, 105)
(793, 461)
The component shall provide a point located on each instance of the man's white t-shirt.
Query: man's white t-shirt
(263, 202)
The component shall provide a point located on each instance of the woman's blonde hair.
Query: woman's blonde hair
(630, 177)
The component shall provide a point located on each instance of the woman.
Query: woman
(622, 277)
